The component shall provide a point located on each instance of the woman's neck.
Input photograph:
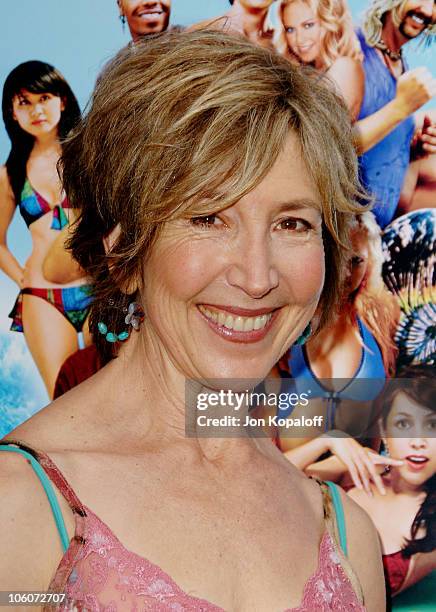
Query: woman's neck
(249, 23)
(47, 143)
(155, 402)
(319, 65)
(399, 486)
(329, 337)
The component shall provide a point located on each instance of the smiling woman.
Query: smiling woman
(39, 109)
(405, 514)
(201, 197)
(317, 31)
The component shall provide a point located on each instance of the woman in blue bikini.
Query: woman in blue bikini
(345, 366)
(39, 109)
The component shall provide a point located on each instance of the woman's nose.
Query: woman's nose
(252, 268)
(36, 109)
(418, 443)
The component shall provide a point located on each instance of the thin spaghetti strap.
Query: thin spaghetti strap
(48, 488)
(340, 516)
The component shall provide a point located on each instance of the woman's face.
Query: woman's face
(303, 31)
(228, 293)
(256, 4)
(37, 113)
(411, 437)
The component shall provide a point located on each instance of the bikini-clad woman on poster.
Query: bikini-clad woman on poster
(39, 109)
(405, 514)
(358, 352)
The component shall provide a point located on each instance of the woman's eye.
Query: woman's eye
(206, 221)
(294, 225)
(357, 261)
(23, 102)
(308, 25)
(431, 425)
(44, 97)
(402, 424)
(289, 30)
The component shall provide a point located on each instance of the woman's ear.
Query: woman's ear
(131, 286)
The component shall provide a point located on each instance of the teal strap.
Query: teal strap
(340, 516)
(48, 488)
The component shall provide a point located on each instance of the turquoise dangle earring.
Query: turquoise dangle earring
(123, 22)
(305, 335)
(134, 317)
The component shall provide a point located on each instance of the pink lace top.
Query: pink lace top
(98, 574)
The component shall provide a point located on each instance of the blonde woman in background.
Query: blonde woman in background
(355, 348)
(320, 33)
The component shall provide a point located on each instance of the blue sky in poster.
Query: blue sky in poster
(78, 38)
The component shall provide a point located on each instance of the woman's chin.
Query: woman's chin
(234, 376)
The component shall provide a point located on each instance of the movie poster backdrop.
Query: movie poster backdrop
(78, 38)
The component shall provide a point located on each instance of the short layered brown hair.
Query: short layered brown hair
(186, 124)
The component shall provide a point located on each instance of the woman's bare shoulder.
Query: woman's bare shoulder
(222, 22)
(5, 186)
(345, 68)
(365, 554)
(59, 425)
(27, 528)
(348, 62)
(3, 174)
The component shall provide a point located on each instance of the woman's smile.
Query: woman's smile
(236, 324)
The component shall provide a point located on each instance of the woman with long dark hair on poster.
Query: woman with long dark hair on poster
(405, 516)
(39, 110)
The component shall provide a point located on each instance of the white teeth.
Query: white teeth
(229, 322)
(208, 313)
(221, 318)
(236, 323)
(260, 322)
(249, 324)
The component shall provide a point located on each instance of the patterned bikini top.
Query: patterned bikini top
(33, 206)
(97, 573)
